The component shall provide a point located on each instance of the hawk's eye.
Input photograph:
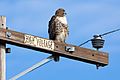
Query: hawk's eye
(59, 9)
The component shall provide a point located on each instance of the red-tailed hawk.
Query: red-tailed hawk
(58, 28)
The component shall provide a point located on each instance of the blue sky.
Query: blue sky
(85, 18)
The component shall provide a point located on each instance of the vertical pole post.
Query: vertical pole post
(2, 51)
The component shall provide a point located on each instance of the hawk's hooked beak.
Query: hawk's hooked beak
(65, 13)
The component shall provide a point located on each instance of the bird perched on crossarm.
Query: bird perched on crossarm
(58, 28)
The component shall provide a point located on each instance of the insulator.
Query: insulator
(97, 42)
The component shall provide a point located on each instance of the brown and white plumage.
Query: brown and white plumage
(58, 27)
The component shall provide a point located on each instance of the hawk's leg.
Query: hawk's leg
(56, 57)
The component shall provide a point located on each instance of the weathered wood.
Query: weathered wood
(2, 51)
(83, 54)
(53, 47)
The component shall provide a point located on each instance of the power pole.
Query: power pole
(45, 45)
(53, 47)
(2, 51)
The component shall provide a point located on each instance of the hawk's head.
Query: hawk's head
(60, 12)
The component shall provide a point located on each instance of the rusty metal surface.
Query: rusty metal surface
(81, 54)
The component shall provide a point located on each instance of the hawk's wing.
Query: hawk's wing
(51, 28)
(56, 27)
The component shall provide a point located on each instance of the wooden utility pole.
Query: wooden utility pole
(53, 47)
(2, 51)
(45, 45)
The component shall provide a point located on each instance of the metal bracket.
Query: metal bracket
(70, 48)
(8, 34)
(8, 50)
(39, 64)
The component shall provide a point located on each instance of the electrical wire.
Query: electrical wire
(85, 42)
(100, 36)
(109, 32)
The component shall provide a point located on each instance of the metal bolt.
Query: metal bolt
(8, 34)
(2, 24)
(8, 50)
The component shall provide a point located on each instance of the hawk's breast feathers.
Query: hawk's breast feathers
(58, 28)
